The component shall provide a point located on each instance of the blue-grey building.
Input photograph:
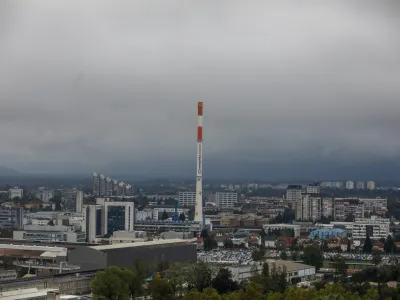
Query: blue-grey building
(326, 233)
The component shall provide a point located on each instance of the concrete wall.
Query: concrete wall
(87, 258)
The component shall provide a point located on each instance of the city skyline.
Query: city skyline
(281, 96)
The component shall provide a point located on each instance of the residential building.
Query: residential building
(93, 221)
(15, 192)
(371, 185)
(314, 188)
(347, 208)
(376, 228)
(375, 205)
(308, 208)
(49, 234)
(96, 184)
(7, 275)
(226, 199)
(360, 185)
(44, 194)
(79, 201)
(187, 198)
(11, 217)
(349, 185)
(327, 207)
(103, 186)
(294, 192)
(68, 200)
(109, 187)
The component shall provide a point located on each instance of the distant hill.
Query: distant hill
(5, 171)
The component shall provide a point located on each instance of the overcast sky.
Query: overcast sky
(89, 84)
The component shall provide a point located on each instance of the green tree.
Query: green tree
(182, 217)
(199, 276)
(228, 244)
(160, 289)
(390, 246)
(110, 284)
(177, 275)
(376, 255)
(367, 247)
(340, 268)
(348, 245)
(137, 276)
(283, 255)
(258, 254)
(312, 256)
(164, 216)
(223, 282)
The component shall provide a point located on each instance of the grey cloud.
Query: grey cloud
(102, 82)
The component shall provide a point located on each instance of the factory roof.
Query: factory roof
(289, 265)
(142, 244)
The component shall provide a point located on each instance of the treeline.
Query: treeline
(201, 282)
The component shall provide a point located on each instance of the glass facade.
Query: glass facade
(116, 219)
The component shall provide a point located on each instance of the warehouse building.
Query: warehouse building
(125, 254)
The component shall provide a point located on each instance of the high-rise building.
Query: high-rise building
(96, 184)
(79, 201)
(115, 187)
(308, 208)
(109, 187)
(15, 192)
(360, 185)
(93, 221)
(11, 217)
(371, 185)
(313, 188)
(349, 185)
(118, 216)
(68, 200)
(347, 208)
(225, 199)
(294, 192)
(327, 208)
(103, 185)
(128, 190)
(44, 194)
(187, 198)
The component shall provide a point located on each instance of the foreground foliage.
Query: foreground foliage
(200, 282)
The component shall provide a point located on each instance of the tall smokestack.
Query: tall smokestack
(199, 174)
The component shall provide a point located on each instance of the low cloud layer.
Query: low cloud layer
(85, 85)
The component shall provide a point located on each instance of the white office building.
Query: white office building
(349, 185)
(376, 228)
(15, 192)
(118, 216)
(187, 198)
(226, 199)
(92, 221)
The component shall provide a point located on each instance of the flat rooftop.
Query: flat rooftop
(143, 244)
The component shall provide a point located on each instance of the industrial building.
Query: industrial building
(50, 234)
(124, 255)
(326, 233)
(295, 272)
